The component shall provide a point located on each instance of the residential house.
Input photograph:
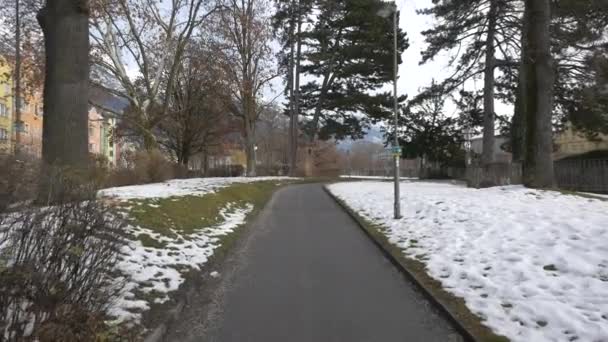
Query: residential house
(570, 142)
(29, 136)
(500, 155)
(104, 114)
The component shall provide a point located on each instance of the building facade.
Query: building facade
(28, 138)
(570, 142)
(101, 141)
(6, 108)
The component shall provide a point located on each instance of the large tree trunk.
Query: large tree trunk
(296, 100)
(518, 125)
(290, 85)
(250, 147)
(66, 87)
(518, 122)
(205, 161)
(539, 73)
(487, 155)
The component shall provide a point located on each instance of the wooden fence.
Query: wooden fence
(589, 175)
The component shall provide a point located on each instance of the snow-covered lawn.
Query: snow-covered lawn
(180, 187)
(532, 264)
(154, 261)
(375, 177)
(156, 271)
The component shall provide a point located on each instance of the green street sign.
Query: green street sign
(396, 150)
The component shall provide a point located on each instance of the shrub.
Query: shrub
(18, 181)
(152, 167)
(143, 167)
(235, 170)
(56, 261)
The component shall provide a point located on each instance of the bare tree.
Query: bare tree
(196, 117)
(273, 129)
(66, 87)
(138, 47)
(287, 23)
(241, 38)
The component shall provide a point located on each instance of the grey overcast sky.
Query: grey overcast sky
(413, 76)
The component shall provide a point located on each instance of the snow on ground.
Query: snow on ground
(156, 271)
(180, 187)
(533, 264)
(376, 177)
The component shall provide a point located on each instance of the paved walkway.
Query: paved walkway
(307, 273)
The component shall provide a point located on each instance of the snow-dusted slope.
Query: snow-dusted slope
(157, 270)
(180, 187)
(533, 264)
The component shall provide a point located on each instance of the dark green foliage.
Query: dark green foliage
(349, 53)
(580, 49)
(470, 106)
(427, 131)
(462, 25)
(588, 110)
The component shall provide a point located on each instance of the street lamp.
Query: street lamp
(388, 9)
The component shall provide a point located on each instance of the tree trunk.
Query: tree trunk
(250, 147)
(294, 128)
(290, 85)
(205, 162)
(539, 73)
(487, 155)
(518, 125)
(66, 87)
(518, 122)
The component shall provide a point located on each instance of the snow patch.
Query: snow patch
(533, 264)
(180, 187)
(158, 271)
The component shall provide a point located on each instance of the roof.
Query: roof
(103, 99)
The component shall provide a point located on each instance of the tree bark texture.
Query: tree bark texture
(290, 85)
(518, 122)
(250, 147)
(487, 156)
(65, 27)
(539, 73)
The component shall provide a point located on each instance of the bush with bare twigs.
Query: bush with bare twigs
(56, 261)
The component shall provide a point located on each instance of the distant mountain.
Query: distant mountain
(374, 134)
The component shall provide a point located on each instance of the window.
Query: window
(91, 147)
(3, 134)
(3, 110)
(90, 130)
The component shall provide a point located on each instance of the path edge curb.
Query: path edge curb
(395, 260)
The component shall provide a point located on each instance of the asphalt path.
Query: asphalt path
(306, 272)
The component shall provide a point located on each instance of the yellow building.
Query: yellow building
(6, 112)
(570, 142)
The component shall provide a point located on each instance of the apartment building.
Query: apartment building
(6, 112)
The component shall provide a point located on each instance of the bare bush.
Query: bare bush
(152, 166)
(56, 261)
(143, 167)
(18, 181)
